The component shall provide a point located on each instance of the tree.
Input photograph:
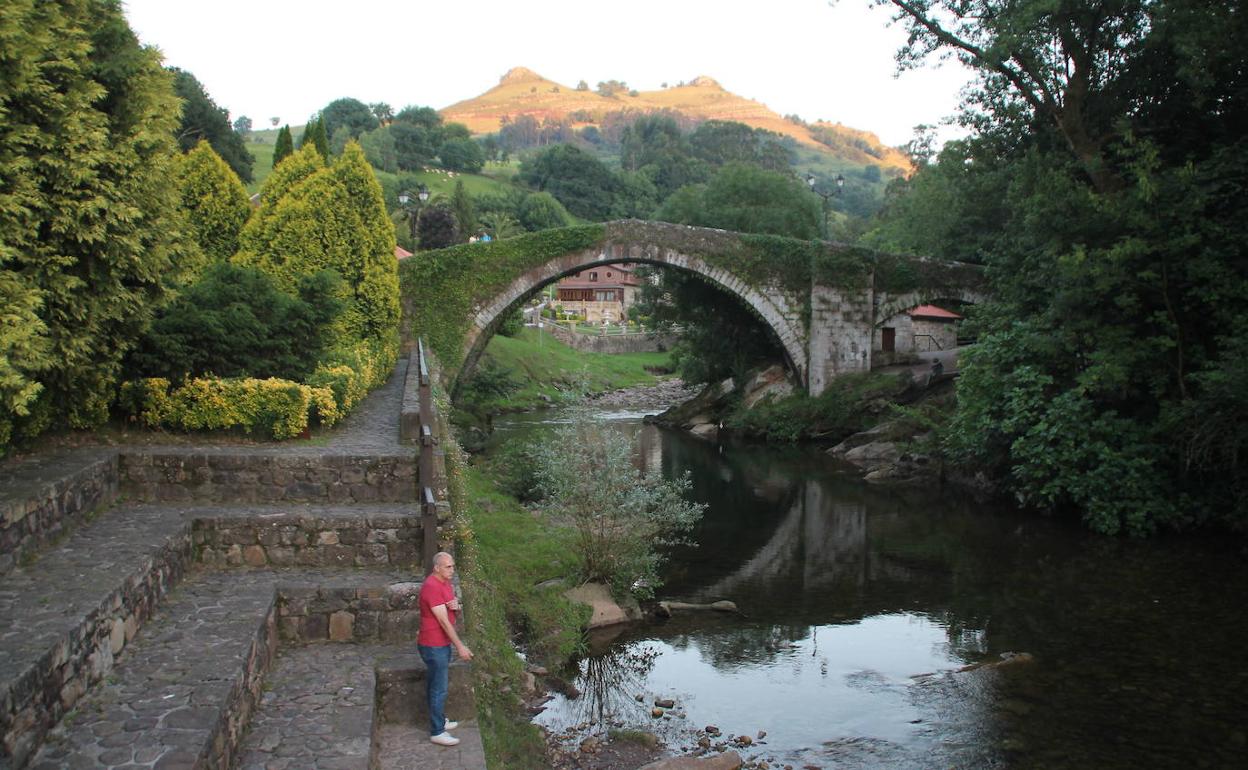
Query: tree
(610, 88)
(88, 222)
(243, 126)
(314, 133)
(540, 211)
(351, 114)
(215, 202)
(622, 518)
(380, 149)
(283, 147)
(577, 179)
(437, 228)
(655, 145)
(581, 85)
(461, 155)
(203, 119)
(1099, 192)
(383, 112)
(749, 200)
(465, 214)
(413, 144)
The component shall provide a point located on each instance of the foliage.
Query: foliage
(88, 224)
(351, 114)
(215, 202)
(315, 135)
(581, 182)
(315, 218)
(235, 322)
(284, 147)
(242, 125)
(274, 408)
(437, 227)
(202, 119)
(512, 324)
(461, 155)
(540, 211)
(655, 145)
(1104, 192)
(465, 213)
(622, 518)
(746, 199)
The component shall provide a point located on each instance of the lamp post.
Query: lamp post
(827, 200)
(406, 200)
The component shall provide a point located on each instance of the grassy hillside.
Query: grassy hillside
(524, 92)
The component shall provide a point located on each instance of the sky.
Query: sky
(820, 60)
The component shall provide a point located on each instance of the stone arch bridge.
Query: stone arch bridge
(825, 302)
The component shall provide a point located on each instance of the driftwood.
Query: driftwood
(667, 608)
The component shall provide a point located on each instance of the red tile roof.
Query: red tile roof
(931, 311)
(400, 252)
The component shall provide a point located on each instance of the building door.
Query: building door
(888, 339)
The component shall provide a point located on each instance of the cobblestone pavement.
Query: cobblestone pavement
(404, 747)
(373, 425)
(27, 476)
(160, 704)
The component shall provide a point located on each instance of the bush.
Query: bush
(850, 404)
(236, 323)
(274, 407)
(512, 323)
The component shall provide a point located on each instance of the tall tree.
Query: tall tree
(465, 212)
(203, 119)
(87, 208)
(352, 114)
(285, 146)
(216, 205)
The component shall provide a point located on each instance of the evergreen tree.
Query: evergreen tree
(284, 147)
(465, 213)
(216, 205)
(314, 133)
(88, 221)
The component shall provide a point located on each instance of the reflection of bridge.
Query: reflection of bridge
(824, 302)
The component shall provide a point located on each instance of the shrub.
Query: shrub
(236, 323)
(275, 408)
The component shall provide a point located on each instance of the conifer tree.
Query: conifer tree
(215, 203)
(88, 222)
(465, 212)
(284, 147)
(320, 138)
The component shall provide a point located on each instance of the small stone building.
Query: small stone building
(919, 330)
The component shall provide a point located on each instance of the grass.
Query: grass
(544, 366)
(442, 183)
(263, 153)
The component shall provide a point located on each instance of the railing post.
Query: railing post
(428, 501)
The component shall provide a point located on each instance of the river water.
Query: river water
(861, 606)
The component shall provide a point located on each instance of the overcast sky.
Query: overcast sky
(274, 58)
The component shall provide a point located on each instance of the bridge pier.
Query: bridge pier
(841, 328)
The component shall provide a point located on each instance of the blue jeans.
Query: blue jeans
(437, 674)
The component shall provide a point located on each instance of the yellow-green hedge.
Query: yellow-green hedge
(273, 407)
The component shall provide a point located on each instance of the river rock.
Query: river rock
(706, 430)
(772, 382)
(606, 611)
(667, 608)
(729, 760)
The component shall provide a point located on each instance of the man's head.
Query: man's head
(443, 565)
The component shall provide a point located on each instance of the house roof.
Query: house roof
(401, 253)
(931, 311)
(623, 277)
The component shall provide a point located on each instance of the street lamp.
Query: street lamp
(827, 200)
(413, 211)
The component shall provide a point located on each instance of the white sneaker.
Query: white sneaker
(449, 725)
(444, 739)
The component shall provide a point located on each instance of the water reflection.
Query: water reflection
(861, 605)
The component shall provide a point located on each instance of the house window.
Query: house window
(593, 276)
(605, 296)
(608, 273)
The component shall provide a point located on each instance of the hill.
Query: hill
(524, 92)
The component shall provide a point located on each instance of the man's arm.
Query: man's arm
(444, 620)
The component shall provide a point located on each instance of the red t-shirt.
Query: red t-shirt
(432, 593)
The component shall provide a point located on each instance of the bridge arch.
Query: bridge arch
(774, 311)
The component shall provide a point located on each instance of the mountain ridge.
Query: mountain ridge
(522, 91)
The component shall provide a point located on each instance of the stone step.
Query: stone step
(406, 747)
(401, 720)
(69, 614)
(183, 691)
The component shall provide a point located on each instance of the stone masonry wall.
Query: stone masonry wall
(386, 614)
(308, 541)
(613, 344)
(41, 695)
(230, 477)
(41, 511)
(245, 691)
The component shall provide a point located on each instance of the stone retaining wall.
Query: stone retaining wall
(35, 515)
(319, 614)
(38, 697)
(235, 714)
(400, 692)
(230, 477)
(308, 541)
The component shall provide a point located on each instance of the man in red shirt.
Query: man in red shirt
(438, 609)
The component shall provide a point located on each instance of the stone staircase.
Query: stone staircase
(216, 607)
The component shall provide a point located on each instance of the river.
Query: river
(860, 606)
